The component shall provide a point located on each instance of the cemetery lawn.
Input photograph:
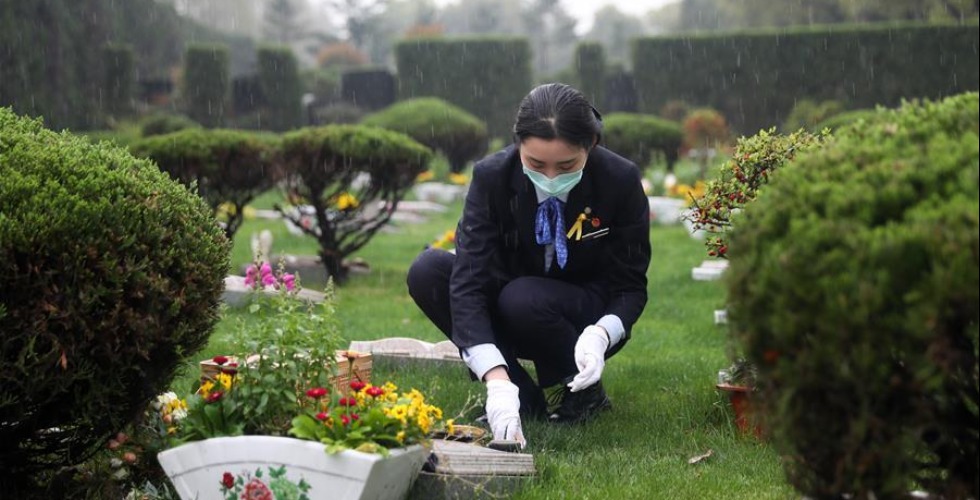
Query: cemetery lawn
(665, 407)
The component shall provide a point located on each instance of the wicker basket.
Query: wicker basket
(351, 366)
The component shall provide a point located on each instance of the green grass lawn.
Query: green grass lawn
(665, 407)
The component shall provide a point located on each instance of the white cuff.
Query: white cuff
(482, 358)
(613, 326)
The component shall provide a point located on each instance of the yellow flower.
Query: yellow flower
(345, 201)
(458, 179)
(225, 380)
(428, 175)
(450, 425)
(400, 436)
(205, 389)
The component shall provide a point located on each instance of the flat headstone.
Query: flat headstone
(466, 470)
(721, 316)
(421, 206)
(405, 347)
(665, 210)
(709, 270)
(439, 192)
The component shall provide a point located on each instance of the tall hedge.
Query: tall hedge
(460, 136)
(853, 285)
(112, 275)
(119, 81)
(590, 68)
(206, 84)
(280, 86)
(755, 78)
(368, 89)
(485, 76)
(51, 59)
(223, 166)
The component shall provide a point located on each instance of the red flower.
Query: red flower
(220, 359)
(214, 397)
(227, 480)
(770, 356)
(375, 391)
(355, 416)
(322, 416)
(345, 419)
(357, 385)
(347, 402)
(229, 370)
(316, 392)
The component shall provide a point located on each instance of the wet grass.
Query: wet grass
(665, 407)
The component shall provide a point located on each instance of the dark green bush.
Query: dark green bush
(226, 166)
(206, 84)
(368, 89)
(460, 136)
(165, 123)
(112, 274)
(853, 286)
(641, 137)
(590, 71)
(119, 81)
(353, 177)
(281, 88)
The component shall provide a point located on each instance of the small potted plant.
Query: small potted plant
(738, 382)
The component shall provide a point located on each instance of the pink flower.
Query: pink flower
(250, 274)
(214, 397)
(289, 281)
(316, 392)
(268, 280)
(265, 270)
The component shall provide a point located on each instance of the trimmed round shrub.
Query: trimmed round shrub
(441, 126)
(224, 166)
(112, 274)
(165, 123)
(640, 137)
(853, 286)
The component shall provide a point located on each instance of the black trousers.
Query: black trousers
(535, 318)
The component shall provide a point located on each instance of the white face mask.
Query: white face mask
(554, 186)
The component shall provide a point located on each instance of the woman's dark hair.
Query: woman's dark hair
(556, 110)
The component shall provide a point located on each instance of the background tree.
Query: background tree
(614, 29)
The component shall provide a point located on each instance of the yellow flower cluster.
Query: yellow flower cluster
(686, 192)
(223, 381)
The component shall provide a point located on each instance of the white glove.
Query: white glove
(590, 357)
(503, 407)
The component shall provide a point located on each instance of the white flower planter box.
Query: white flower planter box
(197, 469)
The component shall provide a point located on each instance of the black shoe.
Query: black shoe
(577, 407)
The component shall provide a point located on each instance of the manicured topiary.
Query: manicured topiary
(460, 136)
(112, 274)
(207, 84)
(165, 123)
(808, 114)
(224, 166)
(853, 286)
(640, 137)
(352, 176)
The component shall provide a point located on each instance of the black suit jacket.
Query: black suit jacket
(495, 240)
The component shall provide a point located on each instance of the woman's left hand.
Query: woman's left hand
(590, 357)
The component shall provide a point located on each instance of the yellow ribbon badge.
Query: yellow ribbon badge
(576, 228)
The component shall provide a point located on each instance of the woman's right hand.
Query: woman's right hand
(503, 411)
